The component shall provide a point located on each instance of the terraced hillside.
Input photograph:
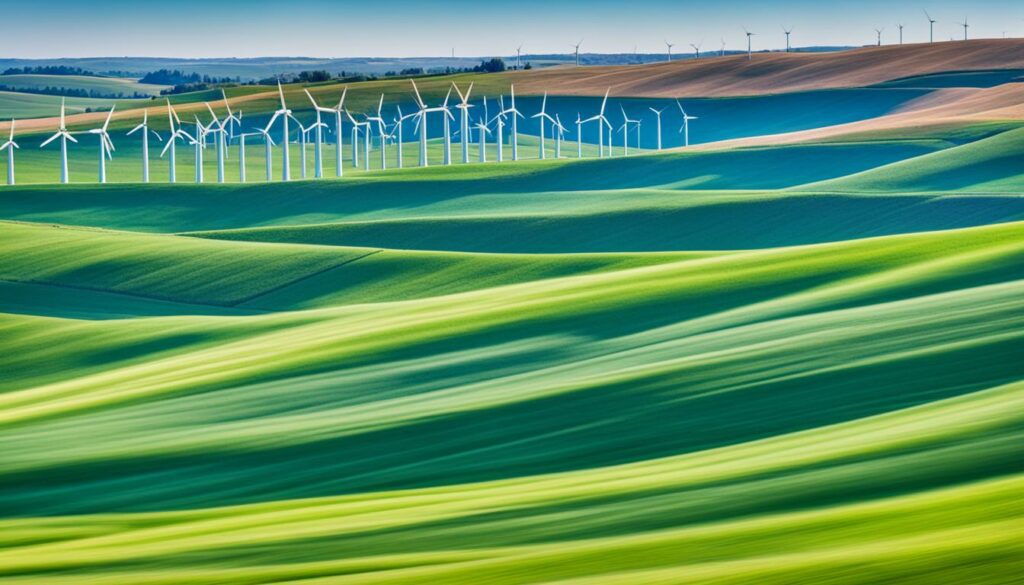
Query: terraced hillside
(795, 360)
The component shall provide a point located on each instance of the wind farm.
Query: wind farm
(749, 315)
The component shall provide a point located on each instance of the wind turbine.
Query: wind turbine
(106, 145)
(577, 45)
(9, 146)
(175, 133)
(542, 116)
(482, 132)
(579, 135)
(268, 150)
(601, 122)
(900, 27)
(399, 121)
(931, 27)
(365, 124)
(283, 113)
(721, 49)
(788, 32)
(626, 121)
(559, 132)
(231, 119)
(303, 134)
(878, 31)
(463, 107)
(658, 114)
(519, 63)
(421, 122)
(515, 123)
(199, 143)
(447, 118)
(241, 154)
(696, 49)
(685, 128)
(382, 130)
(669, 46)
(144, 126)
(318, 154)
(64, 135)
(217, 126)
(965, 25)
(749, 44)
(499, 122)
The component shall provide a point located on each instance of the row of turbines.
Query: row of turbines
(225, 130)
(788, 31)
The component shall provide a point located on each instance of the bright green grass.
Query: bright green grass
(269, 403)
(111, 85)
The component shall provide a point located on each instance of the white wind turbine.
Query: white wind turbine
(447, 119)
(519, 61)
(231, 120)
(499, 125)
(283, 113)
(268, 152)
(144, 126)
(543, 115)
(626, 121)
(721, 49)
(601, 123)
(931, 27)
(463, 107)
(965, 25)
(577, 46)
(175, 133)
(399, 122)
(559, 131)
(318, 155)
(241, 153)
(199, 143)
(356, 125)
(64, 135)
(482, 132)
(579, 135)
(421, 122)
(696, 49)
(685, 128)
(788, 32)
(749, 44)
(515, 123)
(878, 31)
(106, 146)
(382, 131)
(303, 133)
(219, 128)
(658, 114)
(669, 46)
(9, 146)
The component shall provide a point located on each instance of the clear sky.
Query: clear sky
(338, 28)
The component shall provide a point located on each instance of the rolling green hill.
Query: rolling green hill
(772, 365)
(108, 85)
(29, 105)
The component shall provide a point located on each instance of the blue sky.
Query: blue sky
(333, 28)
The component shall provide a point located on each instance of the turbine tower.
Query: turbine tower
(543, 115)
(559, 131)
(482, 132)
(931, 27)
(658, 113)
(106, 145)
(241, 154)
(447, 119)
(577, 46)
(579, 135)
(318, 151)
(381, 130)
(64, 135)
(749, 45)
(219, 128)
(199, 143)
(669, 46)
(685, 128)
(519, 61)
(268, 151)
(499, 125)
(144, 126)
(626, 121)
(337, 111)
(463, 107)
(900, 28)
(601, 123)
(878, 31)
(965, 25)
(788, 32)
(175, 133)
(283, 113)
(9, 146)
(515, 124)
(696, 49)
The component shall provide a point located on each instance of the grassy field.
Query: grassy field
(110, 85)
(779, 365)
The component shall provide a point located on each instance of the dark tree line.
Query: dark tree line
(47, 70)
(74, 92)
(176, 77)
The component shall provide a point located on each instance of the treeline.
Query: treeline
(47, 70)
(496, 65)
(74, 92)
(176, 77)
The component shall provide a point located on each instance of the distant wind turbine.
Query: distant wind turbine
(144, 127)
(878, 31)
(788, 32)
(577, 47)
(721, 49)
(669, 46)
(219, 127)
(382, 131)
(965, 25)
(931, 27)
(499, 126)
(64, 135)
(658, 114)
(519, 60)
(176, 132)
(626, 121)
(900, 27)
(685, 128)
(601, 123)
(463, 107)
(696, 49)
(9, 146)
(515, 123)
(482, 132)
(543, 115)
(749, 44)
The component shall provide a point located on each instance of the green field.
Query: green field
(111, 85)
(774, 365)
